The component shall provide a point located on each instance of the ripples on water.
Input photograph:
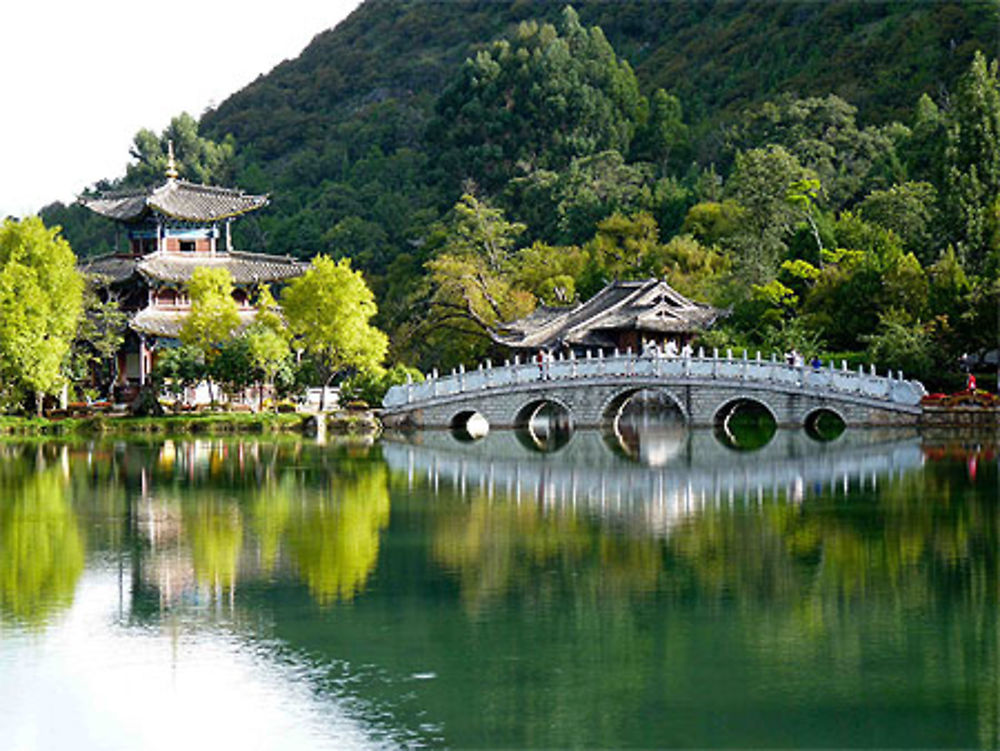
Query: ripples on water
(643, 586)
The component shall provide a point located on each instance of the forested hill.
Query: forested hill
(716, 56)
(829, 171)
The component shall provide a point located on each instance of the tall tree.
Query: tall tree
(764, 183)
(535, 101)
(214, 315)
(198, 159)
(972, 165)
(41, 301)
(329, 309)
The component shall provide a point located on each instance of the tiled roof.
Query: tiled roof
(117, 268)
(651, 305)
(245, 268)
(177, 199)
(167, 323)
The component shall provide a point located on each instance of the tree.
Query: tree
(329, 309)
(972, 165)
(179, 368)
(762, 184)
(99, 335)
(823, 135)
(41, 301)
(535, 101)
(267, 340)
(908, 210)
(470, 290)
(663, 134)
(214, 315)
(198, 159)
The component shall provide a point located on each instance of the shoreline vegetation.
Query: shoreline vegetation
(342, 423)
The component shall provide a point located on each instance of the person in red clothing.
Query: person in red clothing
(971, 385)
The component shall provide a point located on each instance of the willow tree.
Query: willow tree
(329, 309)
(41, 301)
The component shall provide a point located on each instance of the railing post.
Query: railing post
(434, 382)
(489, 373)
(572, 360)
(461, 378)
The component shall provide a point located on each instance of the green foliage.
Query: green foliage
(41, 302)
(972, 165)
(370, 385)
(761, 184)
(179, 368)
(214, 313)
(198, 160)
(99, 336)
(329, 309)
(365, 160)
(901, 344)
(907, 209)
(535, 101)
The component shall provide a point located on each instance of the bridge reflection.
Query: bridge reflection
(671, 474)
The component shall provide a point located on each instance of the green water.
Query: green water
(641, 589)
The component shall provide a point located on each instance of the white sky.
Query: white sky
(78, 78)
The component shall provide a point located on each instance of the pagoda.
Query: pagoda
(173, 229)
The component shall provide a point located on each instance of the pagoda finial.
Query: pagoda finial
(171, 162)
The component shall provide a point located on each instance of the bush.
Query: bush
(370, 386)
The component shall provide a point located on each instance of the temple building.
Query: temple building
(622, 316)
(172, 230)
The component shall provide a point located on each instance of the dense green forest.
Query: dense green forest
(829, 171)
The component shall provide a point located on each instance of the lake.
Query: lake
(645, 587)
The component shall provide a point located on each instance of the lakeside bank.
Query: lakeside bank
(344, 422)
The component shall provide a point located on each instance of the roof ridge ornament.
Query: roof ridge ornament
(172, 173)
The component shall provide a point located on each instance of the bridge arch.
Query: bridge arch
(544, 424)
(612, 408)
(825, 423)
(750, 436)
(469, 425)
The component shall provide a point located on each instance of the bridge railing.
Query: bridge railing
(863, 383)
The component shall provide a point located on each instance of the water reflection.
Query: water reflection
(41, 545)
(445, 593)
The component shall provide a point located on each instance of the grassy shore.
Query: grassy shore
(217, 423)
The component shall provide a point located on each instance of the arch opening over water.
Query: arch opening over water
(543, 425)
(825, 425)
(469, 425)
(646, 425)
(745, 424)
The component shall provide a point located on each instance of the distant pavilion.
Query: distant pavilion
(623, 315)
(172, 230)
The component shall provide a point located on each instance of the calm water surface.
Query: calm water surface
(653, 588)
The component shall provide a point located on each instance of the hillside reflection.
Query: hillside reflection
(433, 580)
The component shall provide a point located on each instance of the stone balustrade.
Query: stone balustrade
(770, 373)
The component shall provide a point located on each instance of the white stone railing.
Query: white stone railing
(891, 388)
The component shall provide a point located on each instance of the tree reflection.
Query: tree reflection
(501, 548)
(41, 546)
(214, 526)
(334, 536)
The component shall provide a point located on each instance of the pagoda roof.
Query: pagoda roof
(650, 306)
(177, 199)
(166, 324)
(172, 267)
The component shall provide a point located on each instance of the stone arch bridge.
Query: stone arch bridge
(593, 390)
